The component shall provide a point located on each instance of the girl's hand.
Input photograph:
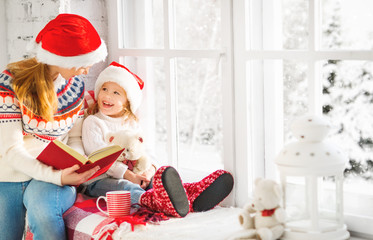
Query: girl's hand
(136, 178)
(148, 174)
(71, 177)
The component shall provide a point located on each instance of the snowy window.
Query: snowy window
(335, 78)
(224, 79)
(176, 47)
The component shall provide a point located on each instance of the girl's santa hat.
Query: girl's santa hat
(129, 81)
(69, 41)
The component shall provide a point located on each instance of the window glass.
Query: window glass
(295, 24)
(142, 24)
(347, 24)
(199, 111)
(197, 24)
(295, 94)
(347, 102)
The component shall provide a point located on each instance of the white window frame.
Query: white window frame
(252, 100)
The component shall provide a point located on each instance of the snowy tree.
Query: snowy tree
(347, 95)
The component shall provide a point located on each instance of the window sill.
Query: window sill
(359, 238)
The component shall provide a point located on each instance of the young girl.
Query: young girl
(41, 100)
(119, 92)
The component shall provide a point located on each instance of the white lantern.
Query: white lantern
(311, 173)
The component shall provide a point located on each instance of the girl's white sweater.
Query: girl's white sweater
(96, 127)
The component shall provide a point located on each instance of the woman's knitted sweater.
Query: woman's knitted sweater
(23, 137)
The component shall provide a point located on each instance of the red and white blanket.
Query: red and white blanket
(84, 221)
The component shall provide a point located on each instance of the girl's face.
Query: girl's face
(111, 99)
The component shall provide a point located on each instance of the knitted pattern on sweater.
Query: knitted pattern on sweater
(23, 137)
(70, 99)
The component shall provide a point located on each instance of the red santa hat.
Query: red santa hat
(69, 41)
(129, 81)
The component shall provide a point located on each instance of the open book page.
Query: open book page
(103, 152)
(71, 151)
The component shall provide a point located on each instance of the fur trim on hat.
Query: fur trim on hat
(83, 60)
(124, 79)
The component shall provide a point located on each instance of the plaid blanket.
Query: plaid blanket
(84, 221)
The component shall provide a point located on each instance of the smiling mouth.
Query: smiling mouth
(106, 104)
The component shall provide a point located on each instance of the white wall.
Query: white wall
(95, 12)
(25, 18)
(24, 21)
(3, 45)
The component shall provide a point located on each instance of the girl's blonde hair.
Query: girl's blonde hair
(34, 88)
(127, 114)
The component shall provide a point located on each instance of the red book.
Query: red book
(60, 156)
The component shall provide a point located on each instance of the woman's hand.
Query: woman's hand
(136, 178)
(71, 177)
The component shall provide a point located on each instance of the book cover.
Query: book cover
(60, 156)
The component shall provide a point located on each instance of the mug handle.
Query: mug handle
(98, 199)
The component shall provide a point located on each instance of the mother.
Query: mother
(41, 100)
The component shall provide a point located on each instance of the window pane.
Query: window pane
(199, 114)
(295, 94)
(197, 24)
(142, 24)
(347, 24)
(347, 102)
(152, 112)
(295, 24)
